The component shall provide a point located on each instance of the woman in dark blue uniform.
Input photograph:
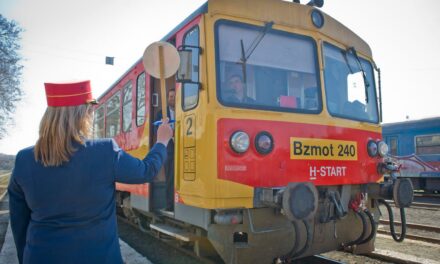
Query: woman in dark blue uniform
(62, 190)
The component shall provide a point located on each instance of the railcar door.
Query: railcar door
(190, 100)
(162, 188)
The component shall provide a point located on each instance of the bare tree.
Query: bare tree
(10, 71)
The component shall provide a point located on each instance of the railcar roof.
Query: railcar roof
(433, 122)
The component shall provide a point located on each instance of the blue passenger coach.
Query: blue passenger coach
(417, 141)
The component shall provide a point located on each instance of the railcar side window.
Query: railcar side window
(345, 89)
(113, 121)
(393, 145)
(426, 145)
(98, 123)
(191, 90)
(140, 101)
(127, 107)
(270, 70)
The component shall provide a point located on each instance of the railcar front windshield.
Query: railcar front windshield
(263, 68)
(348, 94)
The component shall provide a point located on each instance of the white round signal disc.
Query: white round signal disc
(151, 60)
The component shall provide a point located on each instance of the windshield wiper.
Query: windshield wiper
(364, 74)
(344, 54)
(245, 55)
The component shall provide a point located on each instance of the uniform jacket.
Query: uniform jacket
(66, 214)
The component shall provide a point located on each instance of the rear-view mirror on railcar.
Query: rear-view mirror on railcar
(189, 64)
(184, 72)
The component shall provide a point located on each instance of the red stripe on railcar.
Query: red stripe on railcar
(278, 169)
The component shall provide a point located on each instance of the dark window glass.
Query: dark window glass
(140, 102)
(428, 144)
(280, 72)
(127, 107)
(113, 121)
(393, 146)
(191, 90)
(98, 123)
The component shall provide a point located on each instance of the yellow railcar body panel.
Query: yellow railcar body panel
(206, 190)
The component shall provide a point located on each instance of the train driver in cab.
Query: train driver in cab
(237, 91)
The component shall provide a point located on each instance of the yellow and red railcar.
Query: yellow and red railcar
(287, 172)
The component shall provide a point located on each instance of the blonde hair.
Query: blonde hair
(60, 127)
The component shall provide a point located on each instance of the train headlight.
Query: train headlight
(239, 141)
(317, 18)
(264, 143)
(382, 148)
(372, 148)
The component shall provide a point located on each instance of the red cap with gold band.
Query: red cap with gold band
(69, 94)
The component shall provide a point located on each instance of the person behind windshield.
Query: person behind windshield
(62, 190)
(237, 91)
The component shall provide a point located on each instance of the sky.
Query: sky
(69, 40)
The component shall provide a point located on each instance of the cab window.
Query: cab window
(263, 68)
(112, 121)
(191, 89)
(348, 94)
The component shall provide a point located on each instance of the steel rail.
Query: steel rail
(389, 258)
(428, 195)
(414, 226)
(316, 259)
(427, 205)
(413, 237)
(419, 205)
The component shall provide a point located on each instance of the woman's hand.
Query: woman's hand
(164, 132)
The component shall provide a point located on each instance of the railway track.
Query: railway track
(427, 228)
(417, 205)
(425, 206)
(392, 257)
(188, 257)
(413, 237)
(316, 260)
(378, 256)
(414, 226)
(429, 195)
